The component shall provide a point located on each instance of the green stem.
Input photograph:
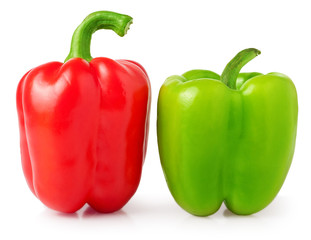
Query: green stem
(81, 39)
(233, 68)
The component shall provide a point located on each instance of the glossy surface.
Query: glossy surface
(83, 130)
(219, 145)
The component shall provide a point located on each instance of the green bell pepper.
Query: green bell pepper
(227, 138)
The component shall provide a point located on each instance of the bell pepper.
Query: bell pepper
(227, 138)
(84, 124)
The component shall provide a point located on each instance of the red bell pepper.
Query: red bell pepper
(84, 124)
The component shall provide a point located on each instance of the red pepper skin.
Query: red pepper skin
(83, 130)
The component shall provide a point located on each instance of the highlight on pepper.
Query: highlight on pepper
(226, 138)
(84, 124)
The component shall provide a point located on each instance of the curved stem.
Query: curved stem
(231, 71)
(81, 39)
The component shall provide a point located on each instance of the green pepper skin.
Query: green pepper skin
(219, 144)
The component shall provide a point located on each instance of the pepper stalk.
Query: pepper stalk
(233, 68)
(81, 39)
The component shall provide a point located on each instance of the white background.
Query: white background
(167, 37)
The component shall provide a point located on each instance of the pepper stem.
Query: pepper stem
(81, 39)
(233, 68)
